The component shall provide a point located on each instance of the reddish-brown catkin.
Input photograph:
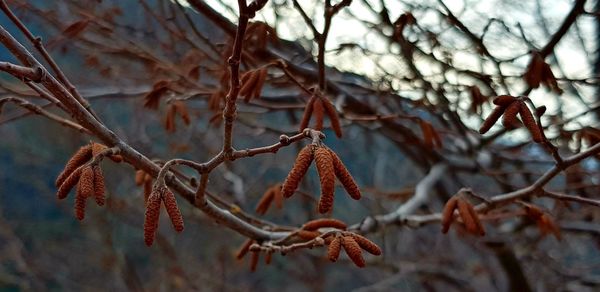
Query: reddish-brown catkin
(308, 110)
(172, 209)
(250, 85)
(491, 119)
(139, 177)
(303, 161)
(478, 224)
(254, 261)
(268, 257)
(79, 206)
(86, 182)
(243, 250)
(99, 187)
(97, 148)
(333, 251)
(265, 202)
(326, 172)
(277, 195)
(465, 215)
(151, 217)
(181, 109)
(353, 251)
(503, 100)
(69, 183)
(344, 176)
(262, 76)
(80, 157)
(448, 213)
(509, 120)
(367, 244)
(322, 223)
(318, 113)
(307, 235)
(530, 123)
(333, 117)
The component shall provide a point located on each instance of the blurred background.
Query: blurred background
(133, 59)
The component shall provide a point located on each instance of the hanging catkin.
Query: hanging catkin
(344, 176)
(172, 209)
(326, 172)
(333, 251)
(509, 120)
(319, 114)
(367, 244)
(353, 251)
(466, 216)
(79, 158)
(308, 110)
(99, 187)
(448, 213)
(303, 161)
(69, 183)
(333, 117)
(530, 123)
(322, 223)
(151, 217)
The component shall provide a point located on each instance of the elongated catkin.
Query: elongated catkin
(326, 172)
(303, 161)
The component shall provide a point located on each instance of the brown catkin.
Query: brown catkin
(254, 261)
(530, 123)
(262, 76)
(303, 161)
(265, 202)
(181, 109)
(491, 119)
(151, 217)
(99, 187)
(344, 176)
(448, 214)
(308, 110)
(268, 258)
(97, 148)
(326, 172)
(475, 216)
(503, 100)
(81, 156)
(333, 251)
(172, 209)
(367, 244)
(324, 222)
(243, 250)
(333, 118)
(249, 85)
(79, 207)
(353, 251)
(69, 183)
(509, 120)
(467, 218)
(139, 177)
(307, 235)
(277, 195)
(318, 113)
(86, 182)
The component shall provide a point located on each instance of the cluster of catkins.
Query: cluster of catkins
(329, 166)
(86, 175)
(352, 243)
